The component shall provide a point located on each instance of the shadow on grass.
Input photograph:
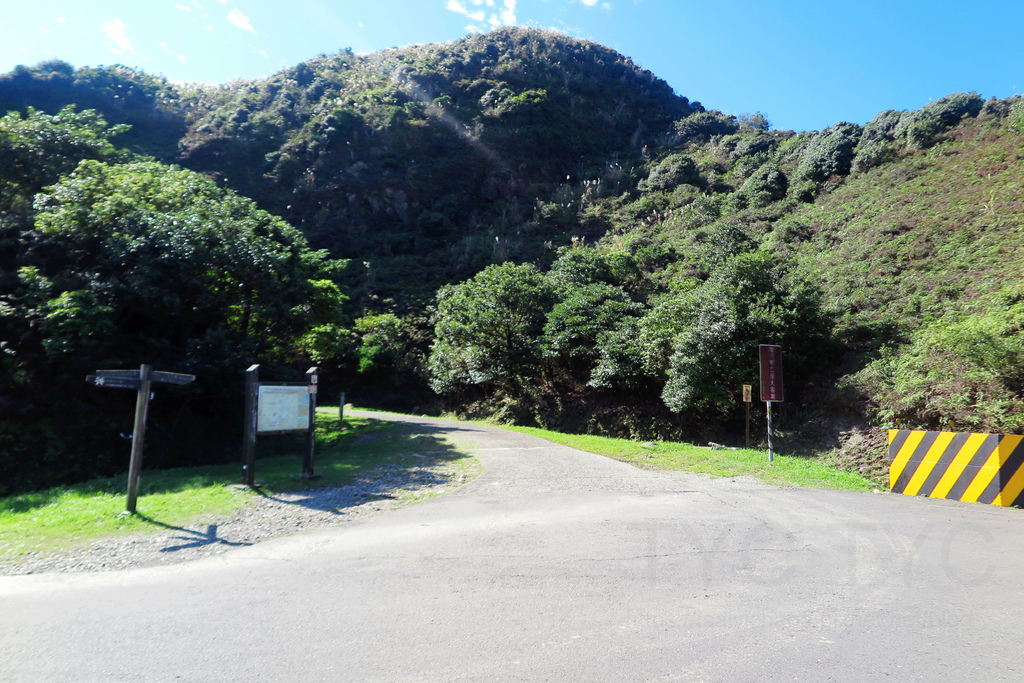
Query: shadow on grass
(371, 466)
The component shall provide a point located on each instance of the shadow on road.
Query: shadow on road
(197, 538)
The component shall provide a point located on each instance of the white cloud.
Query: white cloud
(506, 17)
(184, 8)
(509, 15)
(240, 20)
(590, 3)
(61, 20)
(181, 58)
(115, 31)
(46, 30)
(472, 28)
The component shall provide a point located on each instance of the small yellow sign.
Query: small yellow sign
(748, 390)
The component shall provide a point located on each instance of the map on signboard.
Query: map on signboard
(283, 409)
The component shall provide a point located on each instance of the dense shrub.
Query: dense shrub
(829, 153)
(753, 145)
(36, 149)
(489, 328)
(701, 126)
(583, 314)
(1016, 115)
(699, 346)
(876, 140)
(674, 170)
(922, 128)
(968, 369)
(387, 344)
(768, 184)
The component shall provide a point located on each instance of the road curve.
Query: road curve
(559, 565)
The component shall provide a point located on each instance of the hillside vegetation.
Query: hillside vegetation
(534, 227)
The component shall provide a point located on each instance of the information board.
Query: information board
(283, 409)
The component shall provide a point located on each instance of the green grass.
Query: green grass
(664, 455)
(70, 516)
(806, 472)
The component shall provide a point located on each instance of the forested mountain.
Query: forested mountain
(534, 227)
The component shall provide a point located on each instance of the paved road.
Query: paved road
(557, 565)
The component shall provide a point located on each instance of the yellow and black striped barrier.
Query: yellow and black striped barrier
(978, 468)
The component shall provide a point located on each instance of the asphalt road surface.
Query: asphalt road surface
(558, 565)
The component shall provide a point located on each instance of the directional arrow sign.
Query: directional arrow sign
(171, 377)
(154, 376)
(119, 374)
(115, 382)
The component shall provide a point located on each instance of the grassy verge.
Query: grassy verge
(784, 471)
(69, 516)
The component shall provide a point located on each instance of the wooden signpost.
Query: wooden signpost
(748, 397)
(141, 380)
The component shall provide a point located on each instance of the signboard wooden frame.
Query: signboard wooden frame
(280, 423)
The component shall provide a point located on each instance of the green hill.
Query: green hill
(658, 242)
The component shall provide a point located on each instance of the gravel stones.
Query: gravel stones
(385, 488)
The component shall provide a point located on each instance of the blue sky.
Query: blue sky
(804, 64)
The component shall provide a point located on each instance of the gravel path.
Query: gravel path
(385, 488)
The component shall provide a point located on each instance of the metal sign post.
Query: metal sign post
(141, 380)
(771, 383)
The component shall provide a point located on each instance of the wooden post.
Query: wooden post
(307, 456)
(252, 380)
(138, 438)
(748, 391)
(748, 425)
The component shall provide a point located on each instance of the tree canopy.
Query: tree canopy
(119, 264)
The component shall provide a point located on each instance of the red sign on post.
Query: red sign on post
(771, 373)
